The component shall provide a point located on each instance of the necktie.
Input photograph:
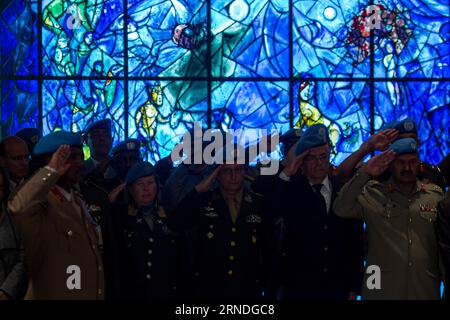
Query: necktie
(322, 205)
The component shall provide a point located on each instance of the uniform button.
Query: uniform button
(284, 254)
(151, 240)
(49, 174)
(325, 227)
(325, 249)
(410, 242)
(410, 264)
(93, 246)
(211, 226)
(100, 268)
(150, 251)
(44, 179)
(100, 291)
(232, 243)
(325, 269)
(148, 276)
(231, 258)
(230, 272)
(410, 220)
(174, 287)
(233, 229)
(149, 264)
(70, 233)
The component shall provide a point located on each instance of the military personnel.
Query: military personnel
(149, 250)
(443, 233)
(400, 216)
(61, 241)
(124, 155)
(15, 158)
(322, 254)
(31, 136)
(98, 137)
(234, 238)
(13, 270)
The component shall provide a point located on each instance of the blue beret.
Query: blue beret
(405, 145)
(126, 145)
(139, 170)
(101, 124)
(51, 142)
(314, 136)
(31, 135)
(391, 125)
(292, 134)
(406, 125)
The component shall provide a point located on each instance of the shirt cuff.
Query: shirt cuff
(51, 169)
(284, 177)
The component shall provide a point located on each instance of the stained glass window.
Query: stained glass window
(156, 66)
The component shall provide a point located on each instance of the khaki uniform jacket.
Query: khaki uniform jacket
(401, 235)
(58, 233)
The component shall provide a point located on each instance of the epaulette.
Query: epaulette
(433, 188)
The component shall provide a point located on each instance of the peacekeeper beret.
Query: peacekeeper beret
(291, 135)
(391, 125)
(101, 124)
(406, 125)
(139, 170)
(314, 136)
(403, 146)
(31, 135)
(126, 145)
(51, 142)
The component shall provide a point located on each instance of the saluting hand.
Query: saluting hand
(381, 140)
(115, 192)
(207, 183)
(59, 160)
(378, 164)
(293, 163)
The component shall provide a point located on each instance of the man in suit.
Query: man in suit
(322, 254)
(61, 241)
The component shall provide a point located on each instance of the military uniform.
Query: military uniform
(400, 233)
(231, 260)
(58, 233)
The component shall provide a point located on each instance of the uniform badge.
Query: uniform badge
(428, 208)
(138, 220)
(428, 212)
(210, 235)
(253, 218)
(210, 212)
(408, 125)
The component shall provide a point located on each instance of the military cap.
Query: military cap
(31, 135)
(51, 142)
(391, 125)
(126, 145)
(139, 170)
(405, 145)
(292, 134)
(406, 125)
(100, 124)
(315, 136)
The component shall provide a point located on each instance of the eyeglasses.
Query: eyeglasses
(321, 157)
(21, 158)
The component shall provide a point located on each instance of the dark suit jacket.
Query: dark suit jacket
(322, 256)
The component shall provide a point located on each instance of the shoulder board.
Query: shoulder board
(433, 188)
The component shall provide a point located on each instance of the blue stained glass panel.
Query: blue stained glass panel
(83, 37)
(18, 38)
(160, 112)
(167, 38)
(250, 38)
(71, 105)
(19, 105)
